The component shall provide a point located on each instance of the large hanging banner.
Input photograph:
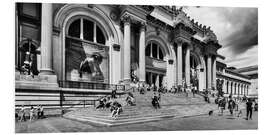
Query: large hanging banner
(87, 62)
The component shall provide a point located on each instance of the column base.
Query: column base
(126, 81)
(46, 72)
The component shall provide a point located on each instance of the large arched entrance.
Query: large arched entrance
(194, 71)
(197, 71)
(87, 56)
(155, 64)
(86, 23)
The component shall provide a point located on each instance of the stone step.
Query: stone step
(116, 122)
(124, 116)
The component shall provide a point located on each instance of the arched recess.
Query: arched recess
(64, 17)
(29, 50)
(151, 36)
(201, 69)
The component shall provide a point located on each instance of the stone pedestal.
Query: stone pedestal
(40, 82)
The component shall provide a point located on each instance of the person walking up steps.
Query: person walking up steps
(231, 105)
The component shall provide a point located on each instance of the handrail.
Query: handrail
(90, 85)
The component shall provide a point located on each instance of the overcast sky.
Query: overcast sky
(236, 30)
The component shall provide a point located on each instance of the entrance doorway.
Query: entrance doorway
(155, 78)
(194, 72)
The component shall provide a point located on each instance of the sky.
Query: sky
(236, 30)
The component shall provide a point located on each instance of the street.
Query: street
(205, 122)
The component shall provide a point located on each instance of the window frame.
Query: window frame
(95, 24)
(159, 50)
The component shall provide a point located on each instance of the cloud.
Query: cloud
(245, 29)
(236, 30)
(249, 58)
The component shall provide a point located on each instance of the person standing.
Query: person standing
(41, 111)
(31, 113)
(22, 114)
(249, 109)
(231, 105)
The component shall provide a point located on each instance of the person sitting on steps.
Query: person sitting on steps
(102, 103)
(130, 99)
(116, 109)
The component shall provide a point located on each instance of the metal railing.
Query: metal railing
(90, 85)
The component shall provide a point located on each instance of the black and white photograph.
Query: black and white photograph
(87, 67)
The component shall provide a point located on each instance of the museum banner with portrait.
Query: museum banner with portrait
(86, 61)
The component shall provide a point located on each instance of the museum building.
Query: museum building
(73, 47)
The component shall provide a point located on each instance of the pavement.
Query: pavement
(202, 122)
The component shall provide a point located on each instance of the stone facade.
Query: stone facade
(158, 45)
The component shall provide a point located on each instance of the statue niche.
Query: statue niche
(91, 65)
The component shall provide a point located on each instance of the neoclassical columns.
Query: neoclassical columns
(247, 90)
(214, 82)
(179, 64)
(187, 68)
(232, 87)
(142, 52)
(209, 70)
(157, 80)
(126, 46)
(228, 87)
(245, 93)
(46, 39)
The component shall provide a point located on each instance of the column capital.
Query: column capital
(126, 19)
(142, 26)
(179, 42)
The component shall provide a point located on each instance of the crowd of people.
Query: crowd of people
(33, 113)
(233, 105)
(106, 102)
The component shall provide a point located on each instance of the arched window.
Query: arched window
(86, 30)
(154, 50)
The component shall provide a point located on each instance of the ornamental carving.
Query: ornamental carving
(126, 18)
(113, 16)
(210, 36)
(142, 26)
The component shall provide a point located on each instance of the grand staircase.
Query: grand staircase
(172, 105)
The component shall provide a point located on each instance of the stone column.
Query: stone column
(142, 53)
(179, 64)
(46, 39)
(235, 86)
(150, 76)
(209, 80)
(244, 89)
(224, 86)
(126, 47)
(214, 74)
(187, 68)
(247, 90)
(229, 87)
(157, 80)
(238, 92)
(232, 86)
